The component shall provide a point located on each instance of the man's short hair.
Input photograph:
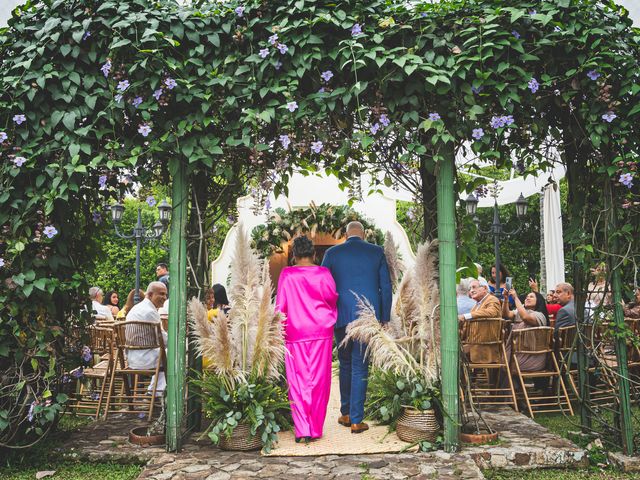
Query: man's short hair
(94, 292)
(162, 265)
(354, 226)
(482, 282)
(567, 287)
(153, 286)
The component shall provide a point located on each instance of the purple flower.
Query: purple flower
(264, 53)
(151, 201)
(499, 122)
(267, 205)
(476, 90)
(106, 68)
(231, 219)
(277, 65)
(136, 102)
(157, 94)
(292, 106)
(50, 231)
(533, 12)
(609, 116)
(557, 29)
(96, 217)
(410, 214)
(356, 30)
(434, 117)
(1, 262)
(321, 90)
(170, 83)
(118, 98)
(144, 129)
(508, 120)
(102, 181)
(19, 119)
(239, 11)
(384, 120)
(86, 354)
(593, 74)
(374, 128)
(273, 39)
(19, 161)
(626, 179)
(285, 141)
(533, 85)
(477, 133)
(282, 48)
(516, 34)
(327, 75)
(86, 35)
(316, 147)
(123, 85)
(77, 373)
(3, 137)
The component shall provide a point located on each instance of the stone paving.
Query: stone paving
(523, 444)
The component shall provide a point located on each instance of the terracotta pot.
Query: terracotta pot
(138, 436)
(478, 438)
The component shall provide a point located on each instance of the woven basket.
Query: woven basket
(417, 425)
(240, 439)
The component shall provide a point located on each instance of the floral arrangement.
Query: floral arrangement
(405, 356)
(246, 351)
(284, 225)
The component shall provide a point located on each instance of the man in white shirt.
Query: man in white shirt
(97, 296)
(147, 311)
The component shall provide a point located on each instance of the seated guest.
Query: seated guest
(566, 316)
(552, 303)
(111, 301)
(486, 305)
(98, 309)
(504, 273)
(465, 304)
(632, 310)
(122, 314)
(533, 313)
(147, 311)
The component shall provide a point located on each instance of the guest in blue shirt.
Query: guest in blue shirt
(465, 303)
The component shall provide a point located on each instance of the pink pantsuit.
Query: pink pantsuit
(307, 296)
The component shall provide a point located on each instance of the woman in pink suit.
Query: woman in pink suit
(307, 296)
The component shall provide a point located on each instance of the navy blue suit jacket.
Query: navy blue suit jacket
(360, 267)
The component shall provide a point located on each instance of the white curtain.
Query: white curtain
(554, 248)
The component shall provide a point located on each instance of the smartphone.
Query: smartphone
(509, 283)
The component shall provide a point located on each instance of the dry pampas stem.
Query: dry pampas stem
(393, 261)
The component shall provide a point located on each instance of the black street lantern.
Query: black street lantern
(471, 205)
(164, 210)
(117, 211)
(521, 206)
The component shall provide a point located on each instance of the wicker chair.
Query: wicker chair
(485, 362)
(537, 341)
(135, 335)
(92, 386)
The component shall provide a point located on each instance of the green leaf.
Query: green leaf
(90, 101)
(40, 283)
(27, 289)
(69, 120)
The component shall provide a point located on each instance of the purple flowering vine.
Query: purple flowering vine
(50, 231)
(326, 75)
(144, 129)
(292, 106)
(273, 39)
(609, 116)
(19, 161)
(501, 121)
(239, 11)
(282, 48)
(374, 128)
(264, 53)
(170, 83)
(356, 30)
(316, 147)
(19, 119)
(593, 74)
(477, 133)
(86, 354)
(516, 34)
(151, 201)
(434, 117)
(157, 94)
(96, 217)
(3, 137)
(384, 120)
(476, 90)
(136, 102)
(86, 35)
(533, 85)
(123, 85)
(277, 65)
(557, 29)
(626, 179)
(118, 98)
(285, 141)
(102, 181)
(106, 68)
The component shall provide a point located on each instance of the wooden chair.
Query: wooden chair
(564, 348)
(538, 342)
(92, 386)
(136, 335)
(486, 362)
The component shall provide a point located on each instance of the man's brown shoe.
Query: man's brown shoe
(359, 427)
(344, 420)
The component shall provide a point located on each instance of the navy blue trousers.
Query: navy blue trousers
(354, 376)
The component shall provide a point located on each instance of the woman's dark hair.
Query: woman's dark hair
(107, 299)
(303, 247)
(541, 305)
(219, 295)
(504, 273)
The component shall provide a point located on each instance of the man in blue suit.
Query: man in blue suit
(358, 267)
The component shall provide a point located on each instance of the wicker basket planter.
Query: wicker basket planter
(241, 439)
(417, 426)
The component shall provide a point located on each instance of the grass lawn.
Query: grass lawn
(23, 465)
(555, 474)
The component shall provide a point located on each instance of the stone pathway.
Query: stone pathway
(523, 444)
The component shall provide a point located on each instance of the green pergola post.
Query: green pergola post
(448, 306)
(176, 351)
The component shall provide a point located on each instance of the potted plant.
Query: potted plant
(243, 390)
(404, 389)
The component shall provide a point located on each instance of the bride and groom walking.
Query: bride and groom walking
(319, 302)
